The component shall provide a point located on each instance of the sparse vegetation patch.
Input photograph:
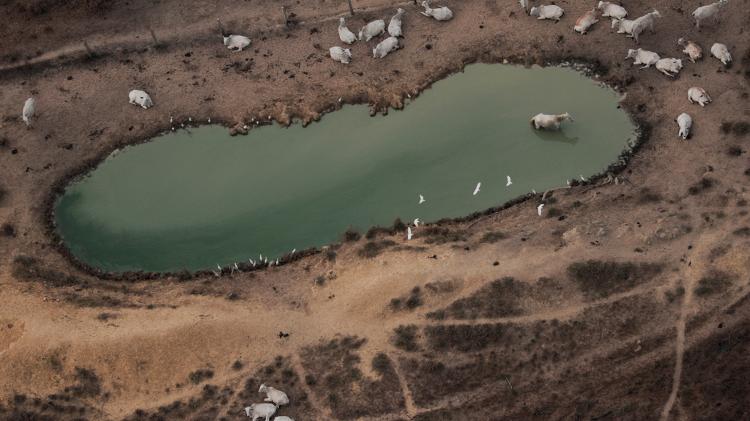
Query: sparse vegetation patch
(599, 279)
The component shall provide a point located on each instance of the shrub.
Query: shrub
(29, 269)
(351, 235)
(8, 230)
(492, 237)
(381, 363)
(201, 375)
(673, 295)
(734, 150)
(440, 235)
(648, 196)
(373, 248)
(88, 384)
(405, 337)
(713, 283)
(410, 302)
(705, 183)
(599, 279)
(500, 298)
(399, 225)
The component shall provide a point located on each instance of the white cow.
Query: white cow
(706, 12)
(550, 11)
(669, 66)
(372, 30)
(692, 49)
(684, 122)
(394, 26)
(141, 98)
(385, 46)
(641, 56)
(549, 121)
(623, 26)
(346, 36)
(260, 410)
(276, 396)
(721, 52)
(342, 55)
(236, 42)
(644, 22)
(439, 13)
(611, 10)
(586, 21)
(699, 95)
(29, 108)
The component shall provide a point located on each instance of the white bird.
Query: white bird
(251, 261)
(416, 222)
(539, 209)
(582, 177)
(260, 257)
(533, 191)
(219, 267)
(171, 119)
(209, 120)
(421, 199)
(509, 181)
(408, 233)
(237, 268)
(345, 34)
(277, 262)
(476, 189)
(294, 251)
(29, 107)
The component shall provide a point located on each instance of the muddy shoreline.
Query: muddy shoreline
(585, 68)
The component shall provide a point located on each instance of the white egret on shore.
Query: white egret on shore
(539, 209)
(294, 251)
(421, 199)
(582, 177)
(509, 182)
(476, 189)
(408, 233)
(416, 222)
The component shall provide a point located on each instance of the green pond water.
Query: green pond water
(197, 198)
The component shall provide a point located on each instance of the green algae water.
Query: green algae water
(197, 198)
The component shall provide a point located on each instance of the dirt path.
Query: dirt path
(693, 268)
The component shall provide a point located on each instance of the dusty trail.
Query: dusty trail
(690, 273)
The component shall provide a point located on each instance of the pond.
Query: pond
(196, 198)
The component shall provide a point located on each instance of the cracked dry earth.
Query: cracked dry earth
(627, 301)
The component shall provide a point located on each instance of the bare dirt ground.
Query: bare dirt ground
(628, 301)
